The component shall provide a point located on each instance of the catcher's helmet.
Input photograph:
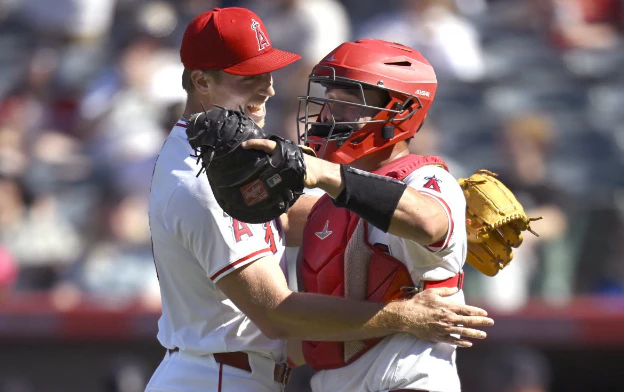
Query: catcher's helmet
(400, 71)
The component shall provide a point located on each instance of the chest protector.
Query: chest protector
(337, 259)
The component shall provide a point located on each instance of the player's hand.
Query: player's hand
(265, 145)
(314, 166)
(437, 318)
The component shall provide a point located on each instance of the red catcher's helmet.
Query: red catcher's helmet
(402, 72)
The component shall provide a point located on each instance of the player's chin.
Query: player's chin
(260, 122)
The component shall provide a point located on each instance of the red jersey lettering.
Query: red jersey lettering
(269, 237)
(240, 229)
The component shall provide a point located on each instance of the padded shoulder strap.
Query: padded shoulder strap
(402, 167)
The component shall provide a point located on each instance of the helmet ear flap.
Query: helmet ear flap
(421, 124)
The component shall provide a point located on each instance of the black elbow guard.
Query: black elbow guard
(371, 196)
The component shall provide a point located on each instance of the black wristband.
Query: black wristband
(371, 196)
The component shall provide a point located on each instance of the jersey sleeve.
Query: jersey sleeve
(438, 184)
(220, 243)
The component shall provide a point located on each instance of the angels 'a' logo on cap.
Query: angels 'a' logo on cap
(263, 41)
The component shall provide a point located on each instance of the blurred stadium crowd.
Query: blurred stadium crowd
(530, 89)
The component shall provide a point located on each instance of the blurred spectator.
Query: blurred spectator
(428, 142)
(583, 24)
(525, 144)
(192, 8)
(609, 278)
(75, 29)
(445, 38)
(309, 27)
(30, 102)
(512, 16)
(124, 117)
(588, 24)
(40, 239)
(13, 157)
(77, 19)
(8, 273)
(120, 266)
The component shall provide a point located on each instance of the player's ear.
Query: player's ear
(201, 81)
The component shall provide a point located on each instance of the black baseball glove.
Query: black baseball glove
(249, 185)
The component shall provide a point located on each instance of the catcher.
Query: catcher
(391, 225)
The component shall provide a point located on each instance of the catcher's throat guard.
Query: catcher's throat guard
(249, 185)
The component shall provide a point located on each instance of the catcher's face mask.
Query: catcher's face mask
(343, 129)
(348, 109)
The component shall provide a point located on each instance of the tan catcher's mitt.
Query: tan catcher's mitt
(495, 221)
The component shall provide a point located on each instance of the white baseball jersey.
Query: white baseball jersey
(195, 245)
(401, 360)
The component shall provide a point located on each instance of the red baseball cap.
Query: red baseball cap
(233, 40)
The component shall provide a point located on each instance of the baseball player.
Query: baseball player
(226, 305)
(403, 223)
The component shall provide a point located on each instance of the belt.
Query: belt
(240, 360)
(453, 281)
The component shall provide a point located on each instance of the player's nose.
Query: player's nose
(266, 85)
(326, 114)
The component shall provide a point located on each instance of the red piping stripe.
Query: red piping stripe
(232, 265)
(444, 242)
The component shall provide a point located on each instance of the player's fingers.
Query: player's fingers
(456, 341)
(473, 321)
(467, 310)
(467, 332)
(260, 144)
(463, 343)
